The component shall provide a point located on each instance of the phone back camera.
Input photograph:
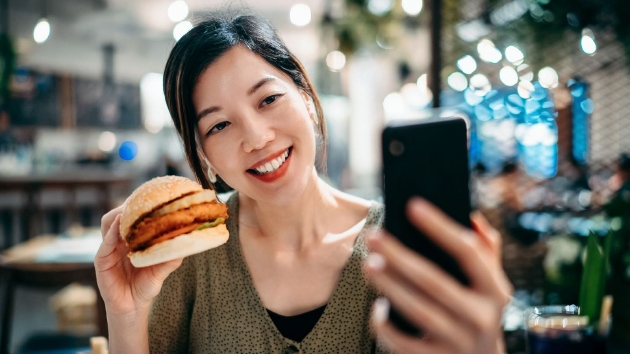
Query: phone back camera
(396, 148)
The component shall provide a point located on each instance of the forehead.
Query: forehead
(234, 73)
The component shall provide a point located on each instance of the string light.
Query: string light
(412, 7)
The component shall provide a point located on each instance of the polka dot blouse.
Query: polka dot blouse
(210, 305)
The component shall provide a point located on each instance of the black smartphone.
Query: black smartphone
(429, 159)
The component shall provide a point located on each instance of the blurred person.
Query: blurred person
(7, 140)
(296, 274)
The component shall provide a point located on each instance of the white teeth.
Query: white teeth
(273, 164)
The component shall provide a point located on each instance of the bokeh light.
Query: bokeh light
(128, 150)
(488, 52)
(467, 64)
(335, 60)
(300, 15)
(514, 55)
(177, 11)
(508, 76)
(457, 81)
(587, 43)
(412, 7)
(41, 31)
(394, 104)
(181, 29)
(106, 141)
(548, 77)
(380, 7)
(480, 84)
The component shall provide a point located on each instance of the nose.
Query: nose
(257, 133)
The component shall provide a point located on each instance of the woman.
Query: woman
(290, 278)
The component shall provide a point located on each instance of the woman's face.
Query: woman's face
(255, 127)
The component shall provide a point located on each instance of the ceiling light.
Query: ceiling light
(41, 31)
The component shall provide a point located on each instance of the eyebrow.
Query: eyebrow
(250, 92)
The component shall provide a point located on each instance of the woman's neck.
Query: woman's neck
(297, 225)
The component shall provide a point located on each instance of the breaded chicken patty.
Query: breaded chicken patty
(153, 229)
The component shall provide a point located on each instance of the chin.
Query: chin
(300, 181)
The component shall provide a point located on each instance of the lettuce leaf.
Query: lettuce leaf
(210, 224)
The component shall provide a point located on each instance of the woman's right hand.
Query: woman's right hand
(125, 289)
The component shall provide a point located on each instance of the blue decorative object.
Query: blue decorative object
(128, 150)
(582, 109)
(513, 123)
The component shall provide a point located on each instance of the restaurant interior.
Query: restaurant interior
(544, 85)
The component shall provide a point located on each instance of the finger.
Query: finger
(461, 243)
(163, 270)
(420, 310)
(421, 273)
(492, 238)
(489, 235)
(108, 219)
(391, 337)
(108, 253)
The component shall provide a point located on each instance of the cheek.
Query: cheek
(219, 154)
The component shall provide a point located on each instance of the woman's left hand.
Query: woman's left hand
(455, 318)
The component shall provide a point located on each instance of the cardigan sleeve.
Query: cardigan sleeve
(169, 318)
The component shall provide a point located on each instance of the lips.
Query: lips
(273, 167)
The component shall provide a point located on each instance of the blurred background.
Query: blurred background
(545, 84)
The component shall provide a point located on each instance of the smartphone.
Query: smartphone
(429, 159)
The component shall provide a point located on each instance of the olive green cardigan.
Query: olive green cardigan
(210, 305)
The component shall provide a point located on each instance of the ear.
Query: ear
(310, 106)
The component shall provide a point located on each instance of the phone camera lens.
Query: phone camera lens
(396, 148)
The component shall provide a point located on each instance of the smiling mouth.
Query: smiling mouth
(272, 165)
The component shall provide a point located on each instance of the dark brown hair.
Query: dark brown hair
(204, 44)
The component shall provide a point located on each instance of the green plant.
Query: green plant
(595, 275)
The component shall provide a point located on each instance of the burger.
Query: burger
(171, 217)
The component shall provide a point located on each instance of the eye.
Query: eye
(218, 127)
(270, 99)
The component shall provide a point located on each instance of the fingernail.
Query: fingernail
(380, 312)
(375, 261)
(417, 204)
